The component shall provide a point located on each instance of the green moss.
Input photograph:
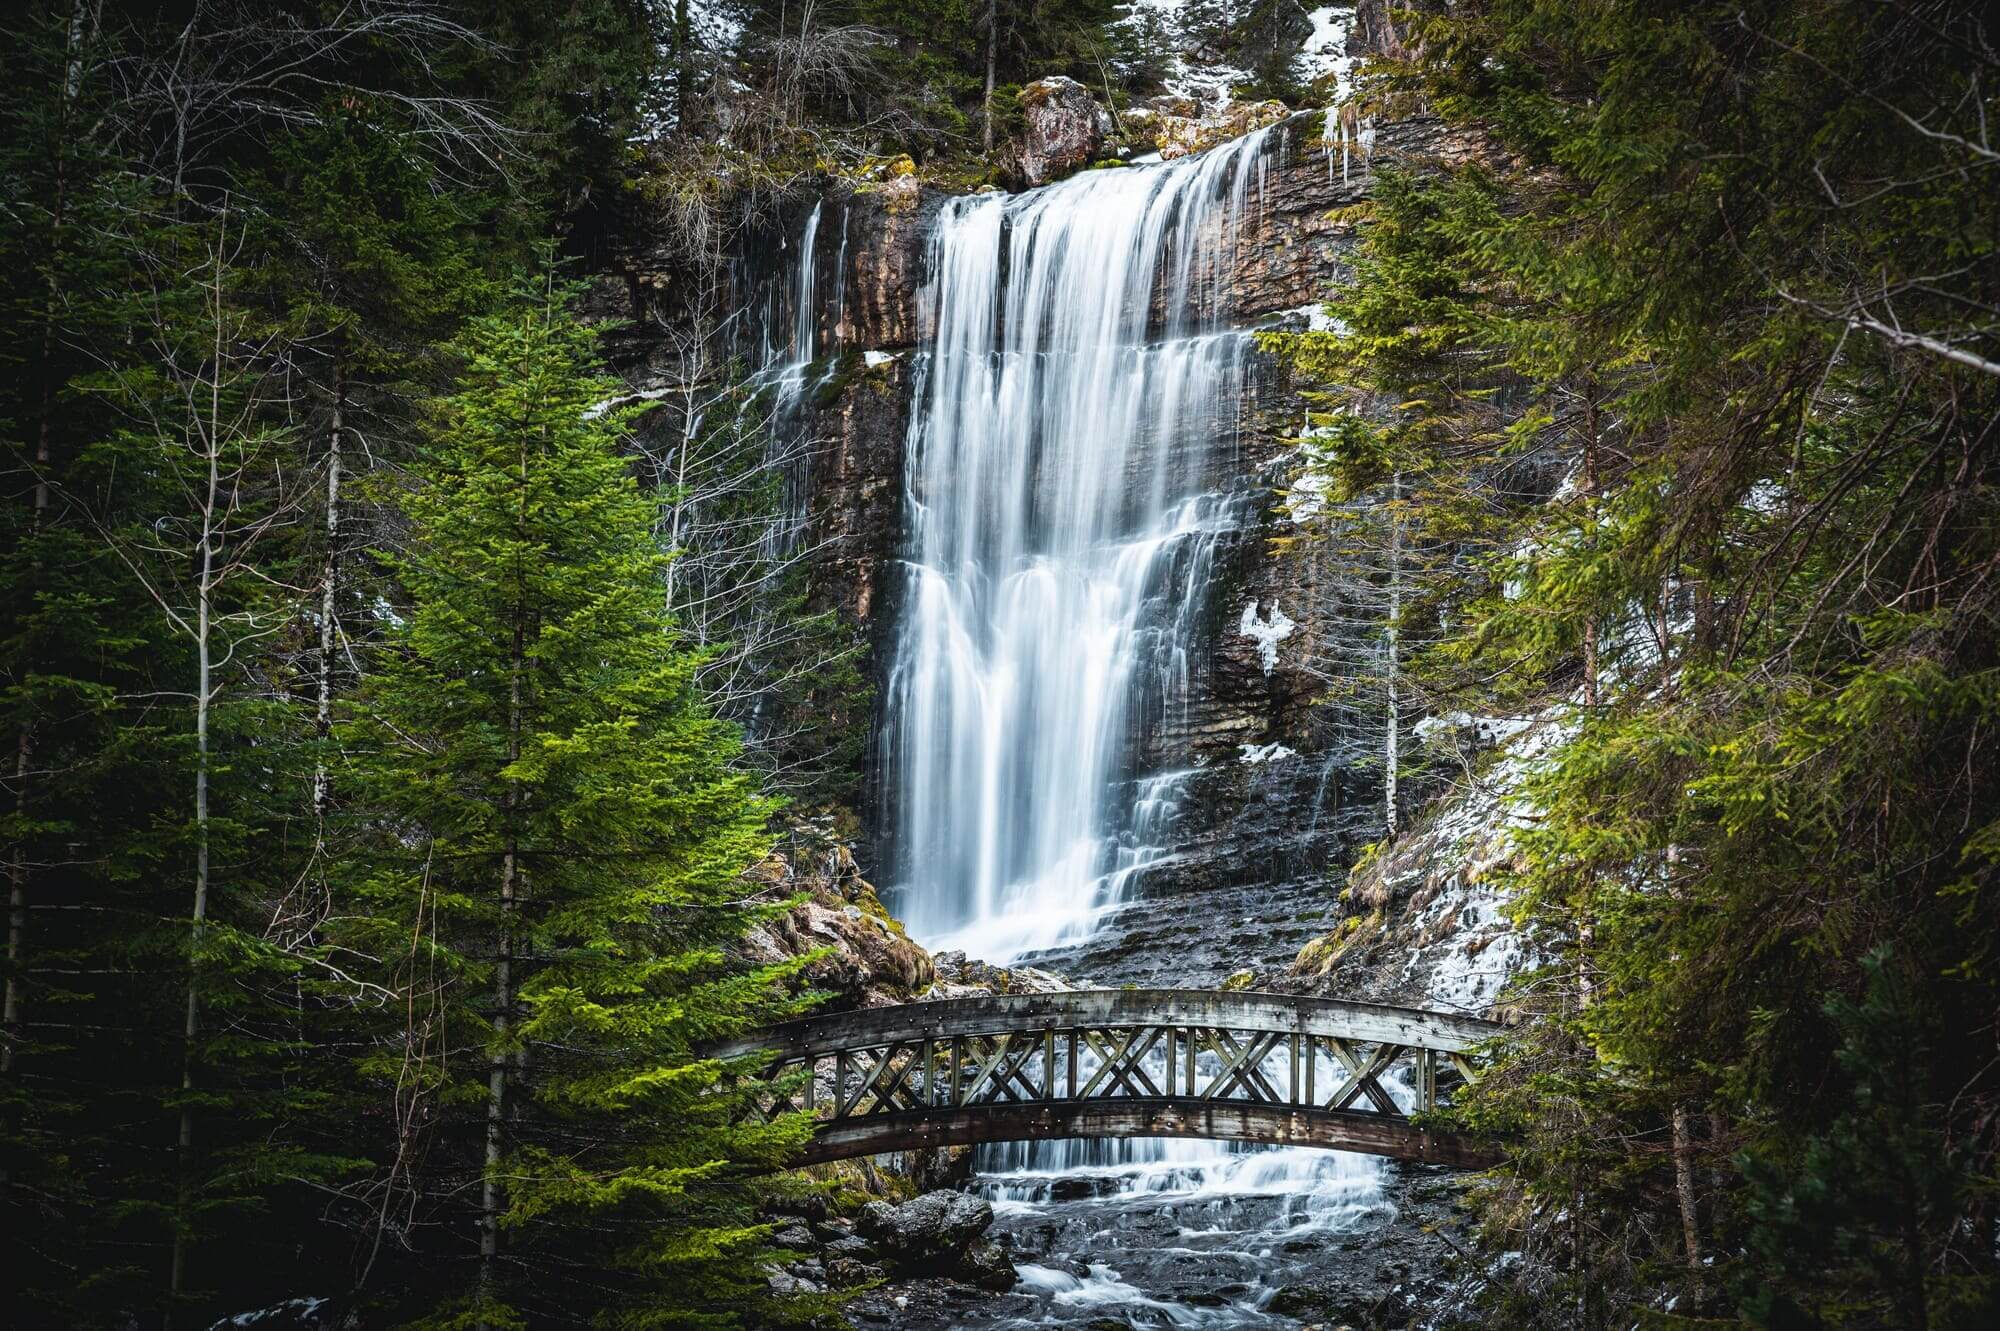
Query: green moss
(1318, 956)
(850, 367)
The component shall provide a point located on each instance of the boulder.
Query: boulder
(847, 1272)
(935, 1227)
(1066, 129)
(960, 977)
(862, 957)
(793, 1238)
(939, 1233)
(787, 1286)
(987, 1266)
(1180, 136)
(853, 1246)
(875, 1220)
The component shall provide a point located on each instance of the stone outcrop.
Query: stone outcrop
(1425, 920)
(883, 230)
(939, 1233)
(866, 961)
(960, 977)
(1065, 129)
(857, 424)
(1182, 135)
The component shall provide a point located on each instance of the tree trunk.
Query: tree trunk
(211, 515)
(491, 1200)
(1590, 484)
(1391, 747)
(328, 601)
(1586, 928)
(684, 67)
(1684, 1190)
(992, 61)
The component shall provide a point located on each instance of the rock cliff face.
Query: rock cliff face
(1424, 922)
(1275, 805)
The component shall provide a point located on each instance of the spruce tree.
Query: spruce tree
(557, 875)
(1736, 272)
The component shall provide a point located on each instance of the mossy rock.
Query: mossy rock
(850, 367)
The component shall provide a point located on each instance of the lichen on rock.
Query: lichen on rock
(1065, 129)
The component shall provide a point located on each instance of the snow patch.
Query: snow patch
(1326, 50)
(597, 409)
(1486, 730)
(1265, 753)
(1316, 317)
(1267, 633)
(292, 1312)
(1306, 499)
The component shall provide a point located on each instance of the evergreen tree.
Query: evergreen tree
(1738, 278)
(558, 873)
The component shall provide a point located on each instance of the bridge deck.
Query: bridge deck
(1251, 1067)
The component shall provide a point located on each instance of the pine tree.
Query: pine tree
(1737, 277)
(558, 873)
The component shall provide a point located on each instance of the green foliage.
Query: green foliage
(562, 842)
(219, 1047)
(1861, 1203)
(1712, 272)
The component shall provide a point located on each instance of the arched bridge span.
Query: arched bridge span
(1230, 1066)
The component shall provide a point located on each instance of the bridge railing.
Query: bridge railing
(997, 1053)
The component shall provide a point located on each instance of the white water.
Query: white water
(1066, 473)
(1063, 524)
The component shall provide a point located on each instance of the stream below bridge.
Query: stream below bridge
(1188, 1233)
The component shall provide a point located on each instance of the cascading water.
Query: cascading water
(1061, 526)
(1069, 466)
(783, 346)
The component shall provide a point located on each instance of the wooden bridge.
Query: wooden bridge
(1245, 1067)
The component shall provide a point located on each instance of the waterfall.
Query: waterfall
(1070, 479)
(787, 331)
(1063, 511)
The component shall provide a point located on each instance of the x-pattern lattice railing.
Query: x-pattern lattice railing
(1118, 1062)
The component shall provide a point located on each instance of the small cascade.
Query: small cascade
(788, 364)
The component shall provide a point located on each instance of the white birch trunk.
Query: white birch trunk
(1391, 741)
